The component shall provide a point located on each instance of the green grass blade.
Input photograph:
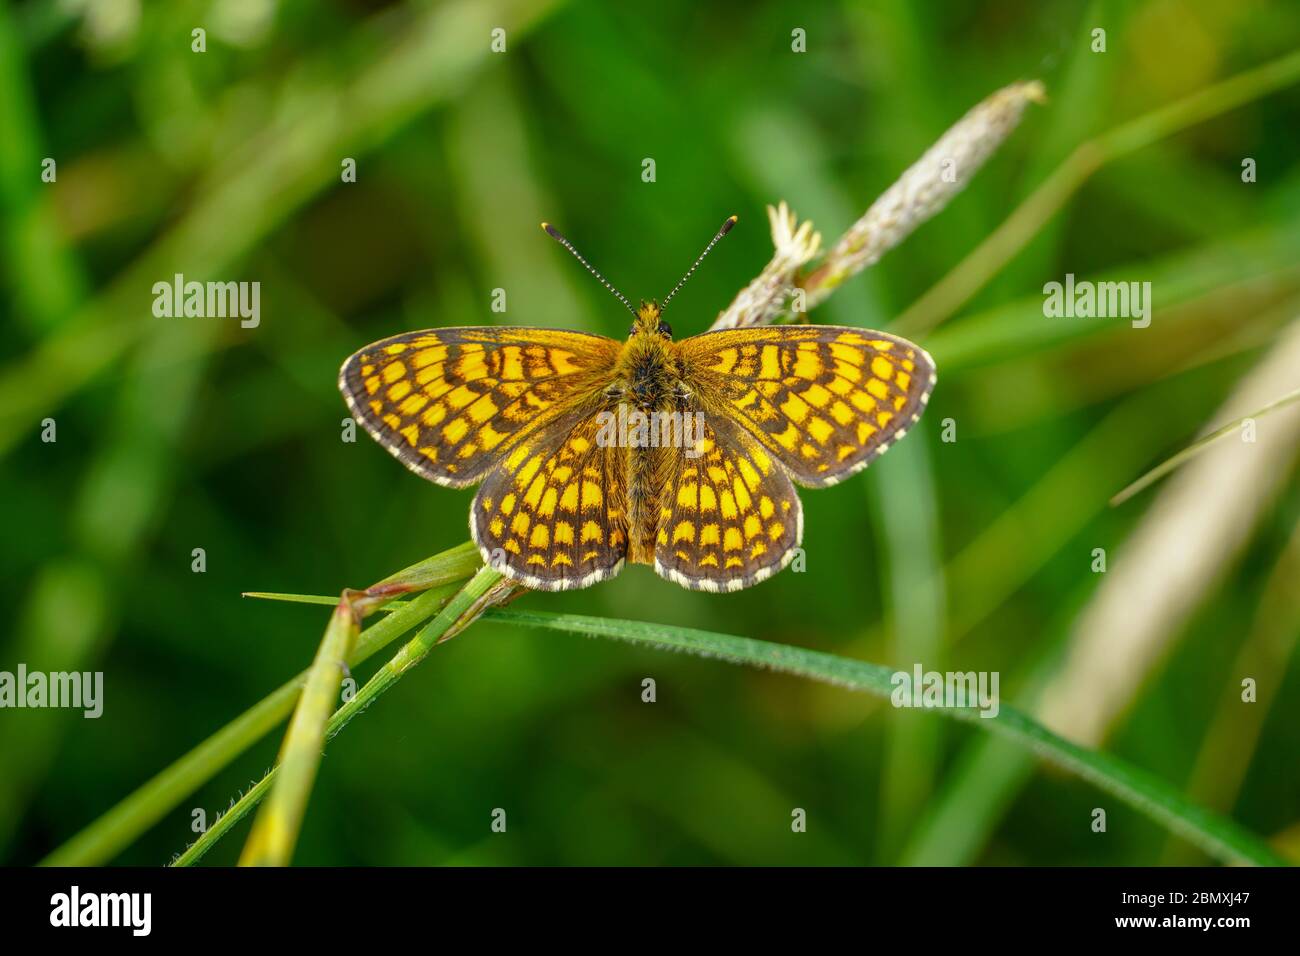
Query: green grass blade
(407, 656)
(1028, 218)
(1196, 447)
(102, 840)
(276, 830)
(1217, 836)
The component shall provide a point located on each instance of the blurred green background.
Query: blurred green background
(175, 434)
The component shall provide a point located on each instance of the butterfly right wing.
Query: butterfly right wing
(553, 515)
(451, 403)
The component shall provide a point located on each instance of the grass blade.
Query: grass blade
(102, 840)
(1016, 231)
(276, 831)
(1217, 836)
(443, 625)
(1196, 447)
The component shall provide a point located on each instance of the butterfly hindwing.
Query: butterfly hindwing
(451, 403)
(824, 400)
(729, 518)
(553, 515)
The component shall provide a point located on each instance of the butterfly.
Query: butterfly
(590, 452)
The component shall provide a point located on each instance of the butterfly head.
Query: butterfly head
(649, 321)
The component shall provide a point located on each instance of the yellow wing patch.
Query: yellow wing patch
(824, 400)
(554, 515)
(450, 403)
(729, 518)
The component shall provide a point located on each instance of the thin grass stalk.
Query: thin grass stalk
(920, 193)
(463, 608)
(275, 832)
(1198, 446)
(972, 273)
(115, 830)
(1221, 838)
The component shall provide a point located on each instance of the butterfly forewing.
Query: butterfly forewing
(824, 400)
(451, 403)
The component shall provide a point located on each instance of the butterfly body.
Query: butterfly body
(647, 379)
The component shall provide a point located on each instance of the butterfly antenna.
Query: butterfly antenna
(726, 228)
(555, 234)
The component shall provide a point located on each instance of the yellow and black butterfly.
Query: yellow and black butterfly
(568, 493)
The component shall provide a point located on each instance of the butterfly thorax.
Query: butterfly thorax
(647, 375)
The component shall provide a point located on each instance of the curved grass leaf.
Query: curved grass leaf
(1221, 838)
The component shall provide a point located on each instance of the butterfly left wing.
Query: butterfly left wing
(824, 400)
(451, 403)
